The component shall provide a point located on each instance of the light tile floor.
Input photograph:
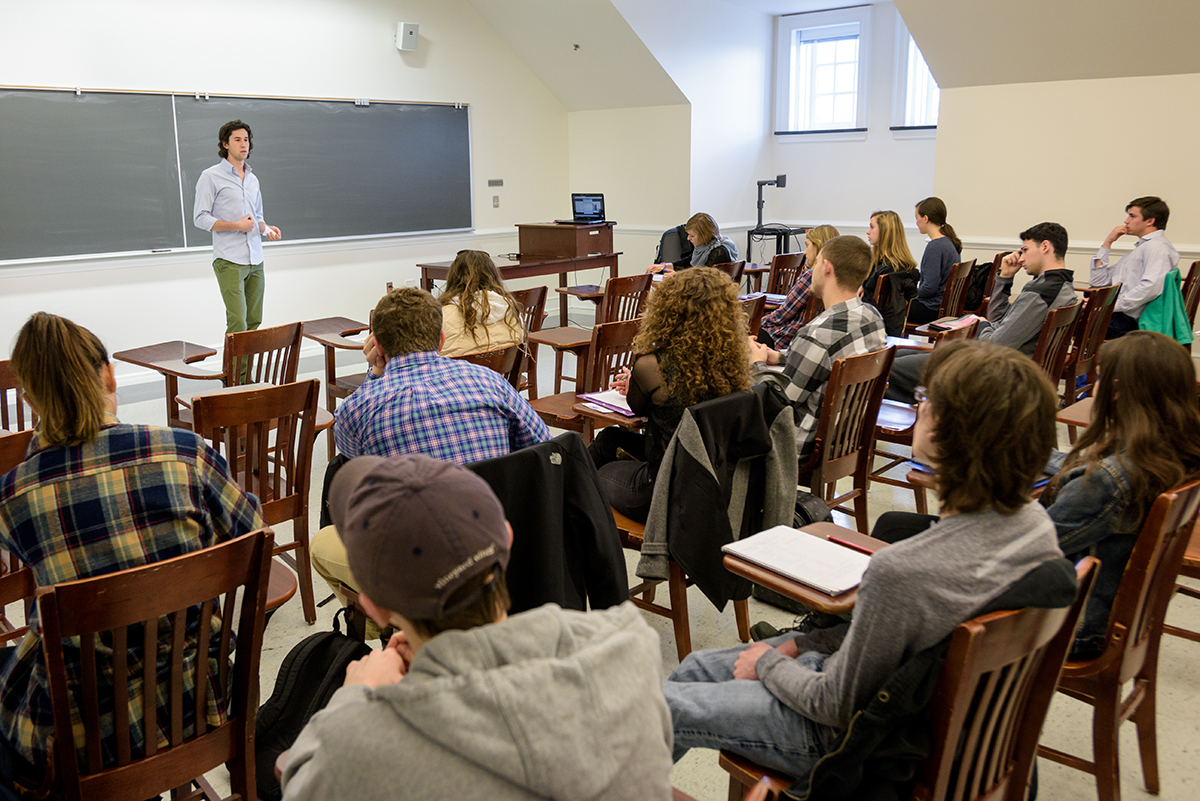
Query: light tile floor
(697, 774)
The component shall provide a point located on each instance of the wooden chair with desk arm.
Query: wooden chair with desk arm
(332, 333)
(15, 415)
(533, 313)
(624, 299)
(141, 602)
(1013, 657)
(610, 349)
(954, 296)
(266, 434)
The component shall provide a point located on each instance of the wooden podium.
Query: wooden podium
(588, 246)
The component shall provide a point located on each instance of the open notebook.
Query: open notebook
(819, 563)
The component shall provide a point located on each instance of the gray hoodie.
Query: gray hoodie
(547, 704)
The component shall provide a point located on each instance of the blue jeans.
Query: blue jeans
(711, 709)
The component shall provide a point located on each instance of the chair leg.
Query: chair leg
(922, 502)
(679, 611)
(531, 377)
(1147, 735)
(558, 367)
(737, 790)
(741, 613)
(1105, 744)
(304, 569)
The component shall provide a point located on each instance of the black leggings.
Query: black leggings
(627, 483)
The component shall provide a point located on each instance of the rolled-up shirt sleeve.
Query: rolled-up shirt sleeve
(202, 209)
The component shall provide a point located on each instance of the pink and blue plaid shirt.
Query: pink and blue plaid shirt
(444, 408)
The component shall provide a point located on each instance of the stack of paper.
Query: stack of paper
(609, 401)
(823, 565)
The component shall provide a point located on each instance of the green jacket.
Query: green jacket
(1166, 313)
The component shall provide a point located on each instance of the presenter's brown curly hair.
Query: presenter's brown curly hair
(696, 327)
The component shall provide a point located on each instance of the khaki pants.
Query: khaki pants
(329, 560)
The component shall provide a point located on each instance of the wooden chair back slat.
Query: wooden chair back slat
(533, 305)
(785, 269)
(227, 623)
(1052, 344)
(1191, 293)
(611, 350)
(814, 307)
(178, 631)
(733, 269)
(201, 691)
(13, 448)
(144, 598)
(954, 298)
(268, 355)
(754, 308)
(15, 414)
(624, 298)
(883, 286)
(150, 689)
(120, 652)
(992, 697)
(91, 700)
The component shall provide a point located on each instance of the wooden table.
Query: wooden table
(809, 596)
(526, 268)
(173, 361)
(608, 418)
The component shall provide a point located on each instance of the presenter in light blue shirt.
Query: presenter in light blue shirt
(229, 204)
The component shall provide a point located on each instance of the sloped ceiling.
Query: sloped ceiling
(988, 42)
(611, 68)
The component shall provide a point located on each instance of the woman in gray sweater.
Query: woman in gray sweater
(785, 702)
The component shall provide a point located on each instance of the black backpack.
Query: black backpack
(307, 679)
(976, 286)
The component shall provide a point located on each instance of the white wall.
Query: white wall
(1074, 152)
(309, 48)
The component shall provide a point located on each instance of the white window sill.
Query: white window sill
(844, 135)
(919, 132)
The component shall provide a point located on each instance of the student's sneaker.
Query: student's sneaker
(762, 630)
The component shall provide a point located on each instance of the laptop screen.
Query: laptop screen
(588, 208)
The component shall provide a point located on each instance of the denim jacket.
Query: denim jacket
(1095, 516)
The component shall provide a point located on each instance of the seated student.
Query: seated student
(416, 401)
(692, 343)
(95, 496)
(1144, 439)
(890, 256)
(1017, 324)
(1142, 272)
(786, 702)
(478, 314)
(708, 246)
(466, 702)
(780, 326)
(847, 327)
(943, 252)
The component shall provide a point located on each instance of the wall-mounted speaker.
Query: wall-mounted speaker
(406, 35)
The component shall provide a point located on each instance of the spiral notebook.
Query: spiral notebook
(816, 562)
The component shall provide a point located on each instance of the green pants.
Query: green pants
(242, 290)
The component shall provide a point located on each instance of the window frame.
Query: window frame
(899, 127)
(785, 30)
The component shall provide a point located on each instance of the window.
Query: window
(822, 71)
(917, 93)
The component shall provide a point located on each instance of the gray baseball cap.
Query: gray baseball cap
(416, 530)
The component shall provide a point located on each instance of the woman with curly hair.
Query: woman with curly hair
(1144, 439)
(693, 347)
(780, 326)
(478, 313)
(890, 256)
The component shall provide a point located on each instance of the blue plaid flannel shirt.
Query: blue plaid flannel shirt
(444, 408)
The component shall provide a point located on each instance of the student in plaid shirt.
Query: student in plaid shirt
(847, 327)
(415, 401)
(95, 496)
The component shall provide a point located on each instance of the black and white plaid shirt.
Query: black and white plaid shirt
(845, 329)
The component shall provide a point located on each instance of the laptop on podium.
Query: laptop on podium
(588, 209)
